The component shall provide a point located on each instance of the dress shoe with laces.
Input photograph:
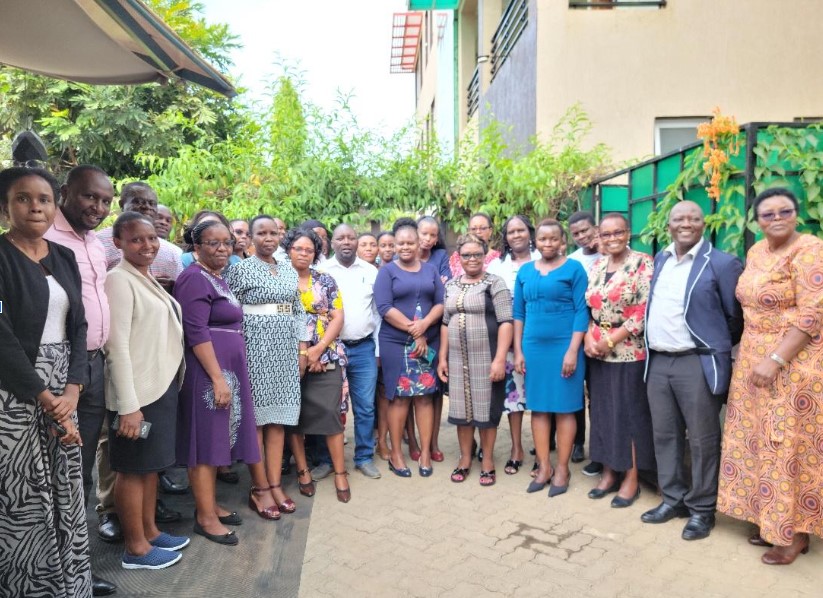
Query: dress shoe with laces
(169, 486)
(698, 526)
(663, 513)
(101, 587)
(163, 514)
(108, 528)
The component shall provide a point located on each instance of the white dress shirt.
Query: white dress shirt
(587, 259)
(666, 326)
(357, 286)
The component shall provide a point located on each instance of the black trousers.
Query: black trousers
(680, 400)
(91, 411)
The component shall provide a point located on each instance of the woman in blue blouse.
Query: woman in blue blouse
(409, 297)
(550, 320)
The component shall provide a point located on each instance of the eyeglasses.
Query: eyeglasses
(471, 256)
(479, 229)
(613, 235)
(770, 216)
(217, 244)
(304, 250)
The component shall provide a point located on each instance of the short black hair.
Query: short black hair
(194, 236)
(402, 223)
(775, 192)
(615, 215)
(507, 250)
(441, 239)
(9, 176)
(471, 238)
(555, 223)
(580, 217)
(256, 219)
(383, 234)
(297, 233)
(125, 219)
(78, 171)
(372, 235)
(196, 220)
(488, 218)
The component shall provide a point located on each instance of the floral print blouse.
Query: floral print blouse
(620, 300)
(319, 300)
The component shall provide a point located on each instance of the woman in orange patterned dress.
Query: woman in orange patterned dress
(770, 472)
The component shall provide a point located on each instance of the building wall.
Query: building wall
(758, 60)
(511, 98)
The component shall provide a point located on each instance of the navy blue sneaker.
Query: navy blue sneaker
(169, 542)
(156, 558)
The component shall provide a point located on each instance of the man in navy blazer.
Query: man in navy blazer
(692, 321)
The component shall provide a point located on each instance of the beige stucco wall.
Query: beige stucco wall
(759, 60)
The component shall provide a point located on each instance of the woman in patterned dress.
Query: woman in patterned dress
(621, 426)
(408, 294)
(770, 468)
(44, 550)
(518, 249)
(323, 399)
(215, 416)
(474, 339)
(274, 326)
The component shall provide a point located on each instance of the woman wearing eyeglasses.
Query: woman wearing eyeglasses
(770, 467)
(482, 227)
(621, 425)
(475, 337)
(215, 415)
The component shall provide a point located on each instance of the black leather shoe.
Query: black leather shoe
(698, 527)
(108, 528)
(597, 493)
(663, 513)
(169, 486)
(578, 454)
(163, 514)
(618, 502)
(101, 587)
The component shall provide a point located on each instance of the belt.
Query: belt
(606, 326)
(359, 341)
(684, 353)
(268, 309)
(93, 354)
(218, 329)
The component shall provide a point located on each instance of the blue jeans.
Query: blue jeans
(362, 376)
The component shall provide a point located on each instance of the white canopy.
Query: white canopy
(100, 42)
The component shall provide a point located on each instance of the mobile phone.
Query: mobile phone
(61, 431)
(144, 426)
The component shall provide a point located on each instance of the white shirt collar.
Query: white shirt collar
(692, 252)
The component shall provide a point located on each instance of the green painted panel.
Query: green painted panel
(433, 4)
(614, 198)
(739, 161)
(667, 171)
(640, 214)
(721, 239)
(642, 181)
(586, 199)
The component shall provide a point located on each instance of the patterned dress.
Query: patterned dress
(770, 469)
(619, 409)
(272, 339)
(515, 401)
(473, 313)
(206, 434)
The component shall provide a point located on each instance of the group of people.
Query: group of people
(121, 350)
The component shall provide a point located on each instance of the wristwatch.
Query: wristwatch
(609, 341)
(775, 357)
(303, 352)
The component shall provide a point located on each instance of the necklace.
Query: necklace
(43, 248)
(215, 273)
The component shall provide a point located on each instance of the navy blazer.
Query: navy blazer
(713, 314)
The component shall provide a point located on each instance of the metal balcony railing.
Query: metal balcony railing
(613, 3)
(512, 24)
(473, 93)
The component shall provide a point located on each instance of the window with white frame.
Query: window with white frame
(671, 134)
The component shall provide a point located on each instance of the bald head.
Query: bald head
(686, 225)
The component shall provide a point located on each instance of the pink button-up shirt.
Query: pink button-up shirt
(91, 260)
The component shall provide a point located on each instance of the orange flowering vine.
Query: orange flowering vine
(719, 133)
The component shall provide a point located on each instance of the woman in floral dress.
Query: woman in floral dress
(621, 426)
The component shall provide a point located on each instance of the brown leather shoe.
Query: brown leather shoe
(757, 540)
(785, 555)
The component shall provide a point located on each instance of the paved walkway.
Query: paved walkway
(430, 537)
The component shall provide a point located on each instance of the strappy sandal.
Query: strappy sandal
(460, 474)
(305, 489)
(512, 466)
(270, 513)
(342, 495)
(287, 506)
(488, 478)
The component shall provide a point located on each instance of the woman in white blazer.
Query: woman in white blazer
(144, 358)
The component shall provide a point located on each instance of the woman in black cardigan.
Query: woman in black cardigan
(42, 367)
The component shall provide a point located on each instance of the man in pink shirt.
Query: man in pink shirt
(85, 202)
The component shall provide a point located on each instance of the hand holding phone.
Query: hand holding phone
(130, 429)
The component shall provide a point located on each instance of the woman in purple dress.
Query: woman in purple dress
(409, 297)
(215, 420)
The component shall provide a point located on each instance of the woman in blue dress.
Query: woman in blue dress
(550, 321)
